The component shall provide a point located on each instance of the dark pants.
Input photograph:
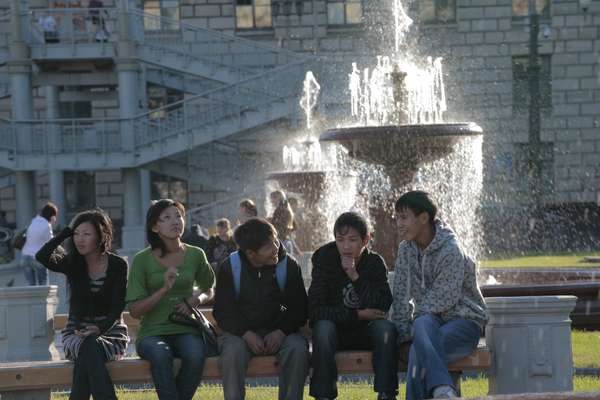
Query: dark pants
(160, 351)
(378, 336)
(90, 375)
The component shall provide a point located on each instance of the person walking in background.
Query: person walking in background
(349, 299)
(437, 302)
(261, 304)
(95, 332)
(38, 233)
(247, 209)
(221, 245)
(163, 276)
(282, 219)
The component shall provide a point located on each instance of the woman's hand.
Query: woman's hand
(169, 279)
(88, 331)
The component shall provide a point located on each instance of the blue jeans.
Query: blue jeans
(434, 345)
(378, 336)
(35, 272)
(160, 351)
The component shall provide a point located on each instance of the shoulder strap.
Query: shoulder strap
(236, 270)
(281, 273)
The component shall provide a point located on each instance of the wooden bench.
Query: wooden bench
(43, 375)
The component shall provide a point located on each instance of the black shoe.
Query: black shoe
(386, 396)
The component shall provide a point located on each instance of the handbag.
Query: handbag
(200, 322)
(19, 240)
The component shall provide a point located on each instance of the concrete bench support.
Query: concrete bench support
(530, 341)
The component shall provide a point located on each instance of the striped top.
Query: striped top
(96, 284)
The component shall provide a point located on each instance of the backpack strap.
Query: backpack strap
(236, 270)
(281, 273)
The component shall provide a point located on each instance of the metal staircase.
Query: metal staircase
(265, 83)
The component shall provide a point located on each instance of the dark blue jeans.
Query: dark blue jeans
(160, 351)
(434, 345)
(378, 336)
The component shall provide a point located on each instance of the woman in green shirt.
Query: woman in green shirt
(161, 276)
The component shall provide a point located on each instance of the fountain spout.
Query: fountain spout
(400, 96)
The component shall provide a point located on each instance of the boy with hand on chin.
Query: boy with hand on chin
(437, 303)
(349, 298)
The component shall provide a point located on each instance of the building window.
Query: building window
(250, 14)
(167, 187)
(520, 8)
(437, 11)
(161, 15)
(344, 12)
(159, 97)
(521, 84)
(80, 192)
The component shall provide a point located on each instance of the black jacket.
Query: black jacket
(334, 297)
(261, 305)
(109, 301)
(225, 248)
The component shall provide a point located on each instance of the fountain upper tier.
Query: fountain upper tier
(401, 149)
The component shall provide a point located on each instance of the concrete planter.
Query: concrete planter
(530, 341)
(26, 315)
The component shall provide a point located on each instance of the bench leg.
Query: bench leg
(456, 379)
(42, 394)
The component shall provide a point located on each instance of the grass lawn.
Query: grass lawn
(551, 261)
(586, 349)
(347, 391)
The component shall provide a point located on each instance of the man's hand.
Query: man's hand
(170, 277)
(273, 341)
(255, 343)
(370, 314)
(349, 268)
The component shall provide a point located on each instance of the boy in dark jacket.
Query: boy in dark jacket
(261, 304)
(348, 302)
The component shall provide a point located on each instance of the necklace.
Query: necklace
(101, 269)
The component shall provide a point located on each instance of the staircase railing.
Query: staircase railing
(74, 25)
(61, 136)
(210, 107)
(208, 44)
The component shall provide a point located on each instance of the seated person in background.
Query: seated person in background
(437, 302)
(95, 332)
(261, 304)
(349, 298)
(221, 245)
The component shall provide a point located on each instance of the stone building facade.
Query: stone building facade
(484, 44)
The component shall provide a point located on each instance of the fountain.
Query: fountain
(400, 109)
(310, 170)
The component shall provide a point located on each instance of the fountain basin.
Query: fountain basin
(401, 149)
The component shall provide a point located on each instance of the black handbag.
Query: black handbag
(200, 322)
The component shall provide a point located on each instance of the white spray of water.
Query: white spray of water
(402, 23)
(308, 102)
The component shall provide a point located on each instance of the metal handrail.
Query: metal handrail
(73, 25)
(207, 108)
(193, 37)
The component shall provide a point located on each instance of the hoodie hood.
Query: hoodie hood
(443, 235)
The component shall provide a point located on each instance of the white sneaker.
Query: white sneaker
(444, 392)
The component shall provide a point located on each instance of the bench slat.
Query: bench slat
(56, 374)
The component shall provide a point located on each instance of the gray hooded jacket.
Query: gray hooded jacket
(443, 282)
